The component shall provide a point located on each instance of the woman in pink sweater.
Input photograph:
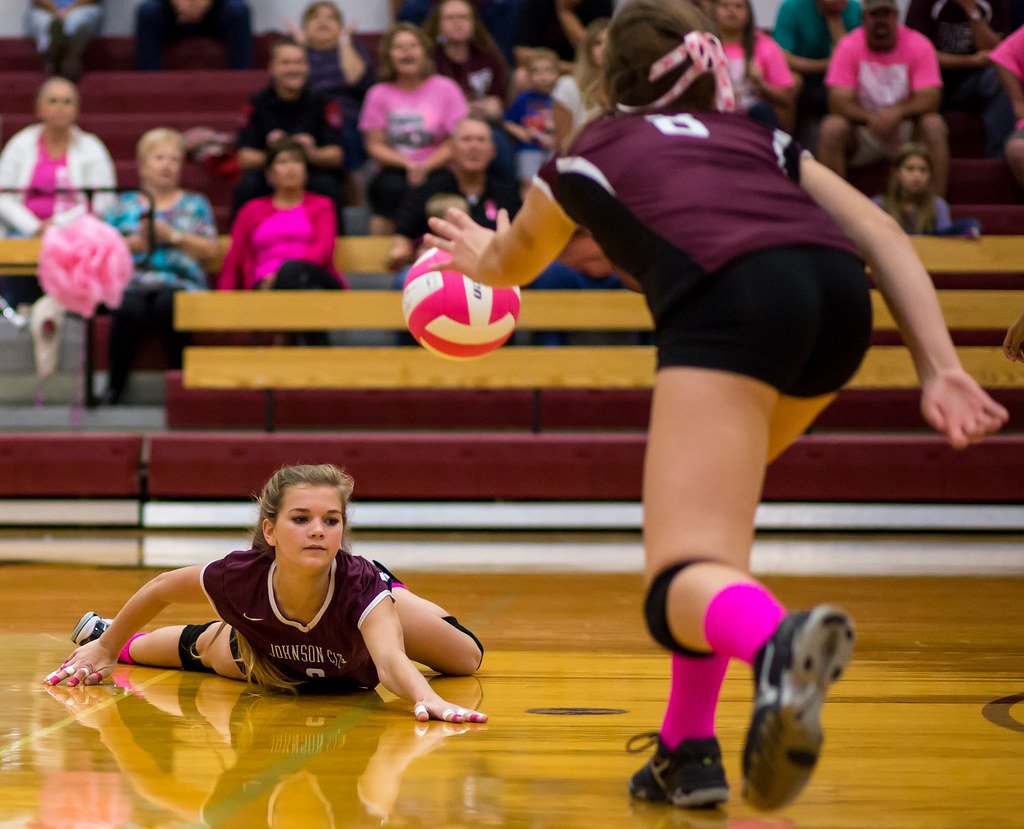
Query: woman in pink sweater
(284, 240)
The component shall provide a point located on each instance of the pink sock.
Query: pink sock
(740, 619)
(690, 714)
(125, 656)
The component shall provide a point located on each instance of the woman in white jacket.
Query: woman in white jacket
(41, 160)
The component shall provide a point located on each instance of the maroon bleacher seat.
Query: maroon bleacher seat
(897, 468)
(70, 465)
(427, 465)
(479, 409)
(487, 466)
(117, 53)
(885, 410)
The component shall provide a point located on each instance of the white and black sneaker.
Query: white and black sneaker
(89, 628)
(792, 671)
(689, 776)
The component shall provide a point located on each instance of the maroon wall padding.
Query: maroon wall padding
(427, 466)
(75, 465)
(898, 468)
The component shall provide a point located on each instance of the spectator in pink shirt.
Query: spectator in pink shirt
(884, 88)
(284, 240)
(406, 121)
(1008, 58)
(763, 83)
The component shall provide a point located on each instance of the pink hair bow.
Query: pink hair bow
(706, 54)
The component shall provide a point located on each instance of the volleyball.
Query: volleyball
(453, 316)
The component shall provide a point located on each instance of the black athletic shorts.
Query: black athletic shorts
(797, 318)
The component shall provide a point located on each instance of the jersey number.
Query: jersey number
(682, 123)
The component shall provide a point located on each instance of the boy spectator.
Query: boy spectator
(963, 33)
(529, 119)
(285, 108)
(884, 87)
(163, 21)
(807, 31)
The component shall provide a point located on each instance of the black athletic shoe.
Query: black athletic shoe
(89, 628)
(691, 776)
(792, 670)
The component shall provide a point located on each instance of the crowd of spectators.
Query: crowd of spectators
(462, 103)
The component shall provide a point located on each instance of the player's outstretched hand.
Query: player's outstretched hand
(954, 404)
(458, 234)
(87, 665)
(1014, 340)
(439, 709)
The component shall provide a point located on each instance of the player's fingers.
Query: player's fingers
(439, 242)
(503, 221)
(420, 712)
(442, 227)
(476, 716)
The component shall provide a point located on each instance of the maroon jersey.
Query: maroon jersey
(239, 586)
(674, 197)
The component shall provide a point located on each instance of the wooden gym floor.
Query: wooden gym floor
(925, 730)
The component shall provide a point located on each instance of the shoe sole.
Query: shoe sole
(790, 734)
(82, 624)
(701, 799)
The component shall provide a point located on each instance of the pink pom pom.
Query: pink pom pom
(85, 264)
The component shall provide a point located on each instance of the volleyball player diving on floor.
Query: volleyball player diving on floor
(299, 611)
(748, 252)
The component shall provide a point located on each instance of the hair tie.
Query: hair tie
(705, 53)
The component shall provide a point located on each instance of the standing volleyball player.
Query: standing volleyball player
(747, 251)
(300, 610)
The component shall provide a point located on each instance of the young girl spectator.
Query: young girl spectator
(764, 86)
(299, 611)
(577, 97)
(285, 240)
(339, 68)
(406, 121)
(185, 239)
(529, 118)
(911, 200)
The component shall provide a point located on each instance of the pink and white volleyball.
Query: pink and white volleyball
(453, 316)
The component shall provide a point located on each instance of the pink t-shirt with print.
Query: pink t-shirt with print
(884, 78)
(768, 57)
(416, 121)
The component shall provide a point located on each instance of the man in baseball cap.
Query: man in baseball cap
(884, 88)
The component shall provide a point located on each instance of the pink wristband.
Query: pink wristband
(1019, 125)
